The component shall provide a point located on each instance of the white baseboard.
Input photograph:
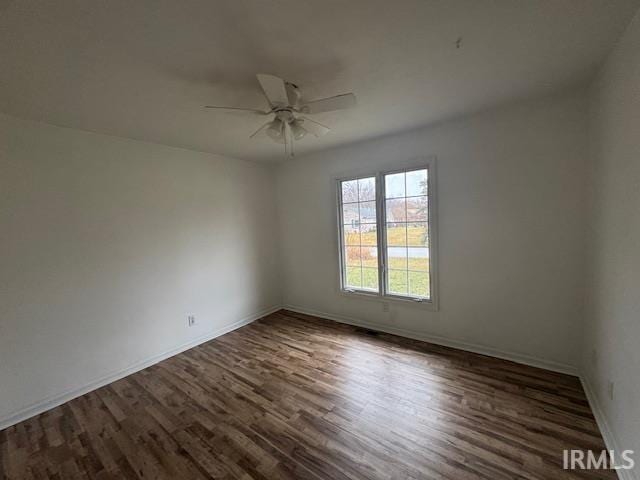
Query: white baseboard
(447, 342)
(58, 399)
(609, 438)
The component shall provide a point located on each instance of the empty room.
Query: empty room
(338, 239)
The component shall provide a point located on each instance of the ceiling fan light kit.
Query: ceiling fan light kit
(286, 103)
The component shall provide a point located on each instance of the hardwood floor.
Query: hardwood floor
(293, 396)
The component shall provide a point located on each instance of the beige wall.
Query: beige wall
(612, 340)
(107, 244)
(511, 230)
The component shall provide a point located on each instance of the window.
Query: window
(360, 235)
(386, 234)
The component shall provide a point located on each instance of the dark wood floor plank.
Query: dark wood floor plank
(296, 397)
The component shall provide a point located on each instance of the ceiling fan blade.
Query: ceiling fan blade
(261, 129)
(274, 89)
(314, 127)
(252, 110)
(339, 102)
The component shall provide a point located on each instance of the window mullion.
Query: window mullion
(382, 234)
(406, 232)
(360, 235)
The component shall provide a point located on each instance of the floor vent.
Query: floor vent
(366, 331)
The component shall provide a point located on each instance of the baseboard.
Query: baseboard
(447, 342)
(607, 433)
(58, 399)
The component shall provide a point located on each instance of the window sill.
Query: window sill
(429, 305)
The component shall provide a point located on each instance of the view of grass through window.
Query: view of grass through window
(406, 234)
(360, 238)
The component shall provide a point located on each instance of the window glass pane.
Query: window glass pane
(397, 257)
(418, 234)
(369, 256)
(354, 277)
(359, 236)
(394, 185)
(350, 214)
(396, 234)
(369, 235)
(419, 284)
(417, 209)
(367, 189)
(407, 233)
(396, 210)
(368, 212)
(398, 282)
(370, 278)
(418, 258)
(351, 235)
(416, 183)
(350, 191)
(352, 256)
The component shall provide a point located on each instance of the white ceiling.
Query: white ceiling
(144, 68)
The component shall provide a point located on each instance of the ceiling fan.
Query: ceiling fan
(287, 105)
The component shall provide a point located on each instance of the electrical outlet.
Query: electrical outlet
(191, 320)
(610, 390)
(385, 306)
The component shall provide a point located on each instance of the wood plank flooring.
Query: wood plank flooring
(292, 396)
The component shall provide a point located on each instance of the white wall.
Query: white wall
(511, 214)
(612, 337)
(107, 244)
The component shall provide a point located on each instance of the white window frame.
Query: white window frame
(428, 163)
